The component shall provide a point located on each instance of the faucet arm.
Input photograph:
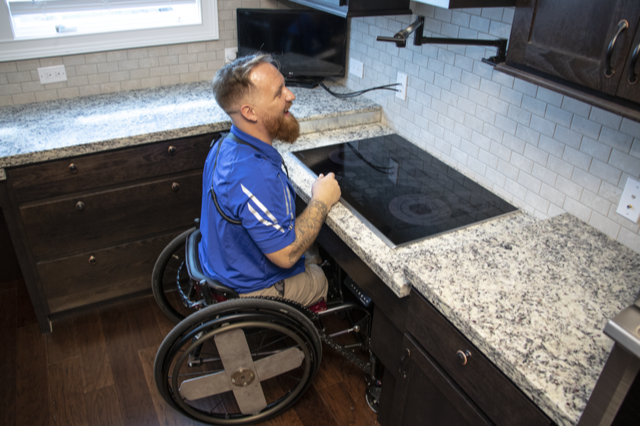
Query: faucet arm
(400, 38)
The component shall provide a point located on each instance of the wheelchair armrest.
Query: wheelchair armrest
(195, 268)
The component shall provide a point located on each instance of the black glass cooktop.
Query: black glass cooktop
(401, 192)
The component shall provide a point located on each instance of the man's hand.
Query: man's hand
(326, 189)
(325, 192)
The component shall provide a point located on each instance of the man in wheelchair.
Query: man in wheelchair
(241, 360)
(252, 240)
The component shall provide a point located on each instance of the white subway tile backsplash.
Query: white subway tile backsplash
(498, 106)
(568, 137)
(576, 107)
(577, 158)
(558, 116)
(595, 149)
(629, 239)
(561, 167)
(542, 125)
(595, 202)
(534, 106)
(625, 163)
(575, 208)
(586, 180)
(631, 128)
(635, 148)
(586, 127)
(549, 96)
(543, 174)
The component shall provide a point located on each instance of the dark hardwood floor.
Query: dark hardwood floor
(95, 369)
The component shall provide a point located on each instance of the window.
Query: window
(36, 29)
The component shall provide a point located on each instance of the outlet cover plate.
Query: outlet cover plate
(629, 206)
(52, 74)
(230, 54)
(402, 89)
(356, 68)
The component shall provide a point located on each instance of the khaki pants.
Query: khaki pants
(306, 288)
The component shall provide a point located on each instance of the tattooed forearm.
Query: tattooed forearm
(308, 226)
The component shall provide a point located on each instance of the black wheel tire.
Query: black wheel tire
(216, 319)
(165, 278)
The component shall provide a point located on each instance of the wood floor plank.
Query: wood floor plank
(92, 350)
(345, 409)
(61, 343)
(103, 408)
(144, 328)
(165, 325)
(32, 378)
(26, 315)
(8, 360)
(312, 411)
(167, 416)
(135, 402)
(67, 393)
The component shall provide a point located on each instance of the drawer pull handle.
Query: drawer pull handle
(463, 357)
(73, 168)
(93, 260)
(407, 353)
(622, 26)
(79, 206)
(633, 77)
(175, 187)
(172, 150)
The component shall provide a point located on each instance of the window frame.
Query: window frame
(74, 44)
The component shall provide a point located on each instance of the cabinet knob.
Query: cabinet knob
(73, 168)
(463, 357)
(172, 150)
(93, 260)
(79, 206)
(175, 187)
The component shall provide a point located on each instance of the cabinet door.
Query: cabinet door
(569, 39)
(426, 395)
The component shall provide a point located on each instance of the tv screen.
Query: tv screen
(305, 43)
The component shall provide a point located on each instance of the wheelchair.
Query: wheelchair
(236, 361)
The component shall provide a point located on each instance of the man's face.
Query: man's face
(273, 101)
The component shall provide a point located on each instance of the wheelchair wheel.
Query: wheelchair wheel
(170, 280)
(238, 362)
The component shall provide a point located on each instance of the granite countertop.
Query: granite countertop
(532, 296)
(535, 300)
(57, 129)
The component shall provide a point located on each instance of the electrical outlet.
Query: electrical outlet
(230, 54)
(52, 74)
(629, 206)
(356, 68)
(402, 89)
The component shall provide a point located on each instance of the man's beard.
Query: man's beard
(283, 128)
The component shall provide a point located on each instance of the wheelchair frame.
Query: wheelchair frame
(227, 333)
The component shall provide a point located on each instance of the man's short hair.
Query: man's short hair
(231, 83)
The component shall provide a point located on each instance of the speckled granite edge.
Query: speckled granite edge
(534, 300)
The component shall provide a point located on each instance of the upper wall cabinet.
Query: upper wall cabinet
(457, 4)
(591, 46)
(356, 8)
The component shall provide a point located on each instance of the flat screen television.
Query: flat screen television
(309, 45)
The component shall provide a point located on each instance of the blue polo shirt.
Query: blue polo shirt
(251, 187)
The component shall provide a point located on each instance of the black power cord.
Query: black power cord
(359, 92)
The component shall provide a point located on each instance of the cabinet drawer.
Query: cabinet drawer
(117, 271)
(112, 217)
(58, 177)
(494, 393)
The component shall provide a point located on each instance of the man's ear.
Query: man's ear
(248, 113)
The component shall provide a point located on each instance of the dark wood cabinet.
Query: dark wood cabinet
(89, 229)
(581, 44)
(355, 8)
(457, 384)
(425, 394)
